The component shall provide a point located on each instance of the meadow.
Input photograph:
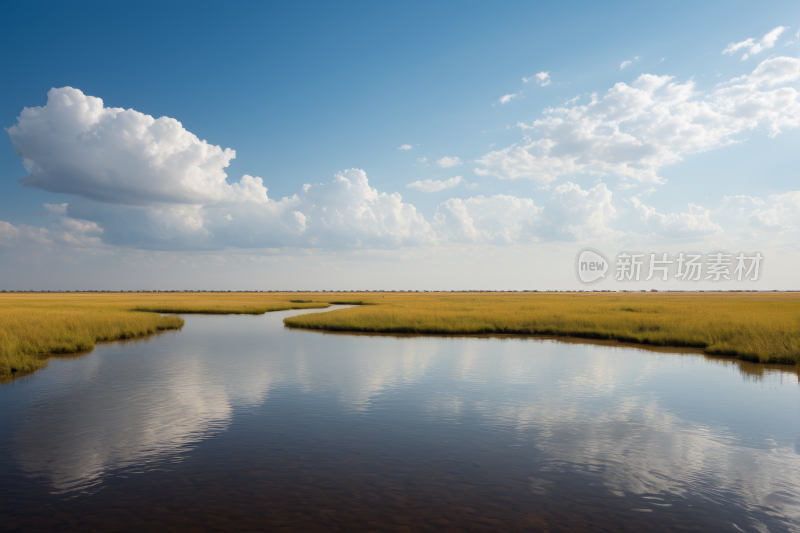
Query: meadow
(758, 327)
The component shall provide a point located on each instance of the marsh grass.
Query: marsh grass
(759, 327)
(35, 326)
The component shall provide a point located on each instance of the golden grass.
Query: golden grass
(762, 327)
(34, 326)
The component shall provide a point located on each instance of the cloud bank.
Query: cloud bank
(149, 183)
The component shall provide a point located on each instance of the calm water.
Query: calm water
(236, 423)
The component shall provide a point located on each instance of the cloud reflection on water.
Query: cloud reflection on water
(643, 423)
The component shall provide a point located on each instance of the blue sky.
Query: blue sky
(302, 92)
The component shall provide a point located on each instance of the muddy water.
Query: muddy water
(236, 423)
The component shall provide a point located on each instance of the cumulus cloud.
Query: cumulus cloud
(780, 212)
(692, 225)
(634, 130)
(775, 71)
(65, 231)
(8, 233)
(507, 98)
(405, 147)
(753, 47)
(435, 185)
(22, 234)
(572, 213)
(542, 79)
(500, 219)
(345, 213)
(447, 162)
(150, 183)
(422, 159)
(75, 145)
(193, 210)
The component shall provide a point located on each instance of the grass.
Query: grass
(36, 326)
(758, 327)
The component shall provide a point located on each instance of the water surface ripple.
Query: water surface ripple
(237, 423)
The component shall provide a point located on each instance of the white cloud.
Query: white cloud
(8, 233)
(570, 214)
(573, 213)
(626, 64)
(57, 209)
(635, 130)
(345, 213)
(75, 145)
(500, 219)
(422, 159)
(780, 213)
(435, 185)
(692, 225)
(753, 47)
(507, 98)
(661, 118)
(775, 71)
(542, 79)
(79, 233)
(447, 162)
(150, 183)
(405, 147)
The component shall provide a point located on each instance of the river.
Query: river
(237, 423)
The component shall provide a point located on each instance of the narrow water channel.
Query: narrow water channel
(237, 423)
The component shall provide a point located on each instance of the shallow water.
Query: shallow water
(237, 423)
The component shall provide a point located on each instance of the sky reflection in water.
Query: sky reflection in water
(657, 429)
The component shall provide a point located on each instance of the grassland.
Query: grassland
(34, 326)
(758, 327)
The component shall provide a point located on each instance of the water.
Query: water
(236, 423)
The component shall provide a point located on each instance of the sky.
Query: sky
(413, 146)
